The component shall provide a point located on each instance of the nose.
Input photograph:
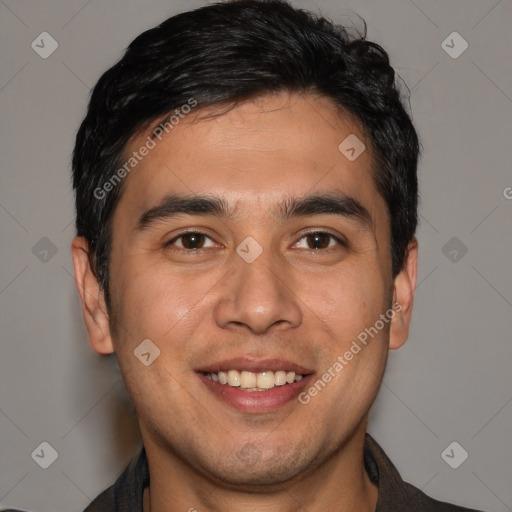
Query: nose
(258, 296)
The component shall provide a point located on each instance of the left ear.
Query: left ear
(404, 287)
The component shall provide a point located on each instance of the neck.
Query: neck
(339, 483)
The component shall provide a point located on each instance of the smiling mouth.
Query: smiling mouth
(250, 381)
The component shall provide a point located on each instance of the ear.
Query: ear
(92, 296)
(404, 287)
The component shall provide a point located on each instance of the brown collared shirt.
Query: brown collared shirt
(395, 495)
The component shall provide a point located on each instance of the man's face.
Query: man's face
(210, 302)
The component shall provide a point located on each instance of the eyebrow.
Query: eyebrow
(330, 203)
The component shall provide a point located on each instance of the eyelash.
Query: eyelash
(340, 241)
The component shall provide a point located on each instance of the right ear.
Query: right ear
(92, 295)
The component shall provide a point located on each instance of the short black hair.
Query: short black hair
(225, 53)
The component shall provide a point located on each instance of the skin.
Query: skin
(294, 301)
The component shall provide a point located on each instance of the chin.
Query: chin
(267, 476)
(251, 471)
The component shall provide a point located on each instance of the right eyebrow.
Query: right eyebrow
(176, 204)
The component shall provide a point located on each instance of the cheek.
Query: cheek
(157, 304)
(346, 301)
(346, 305)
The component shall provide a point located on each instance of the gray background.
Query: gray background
(452, 379)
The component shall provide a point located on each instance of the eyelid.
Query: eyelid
(338, 237)
(188, 231)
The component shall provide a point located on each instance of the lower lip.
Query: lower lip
(256, 402)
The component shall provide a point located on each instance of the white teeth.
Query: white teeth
(280, 378)
(233, 378)
(265, 380)
(249, 381)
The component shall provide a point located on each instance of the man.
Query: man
(246, 200)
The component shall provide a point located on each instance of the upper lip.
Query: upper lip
(253, 365)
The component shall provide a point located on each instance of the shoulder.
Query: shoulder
(126, 494)
(394, 493)
(424, 503)
(105, 502)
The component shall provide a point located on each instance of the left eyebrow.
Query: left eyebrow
(329, 203)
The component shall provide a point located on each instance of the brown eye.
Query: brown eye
(320, 240)
(190, 241)
(193, 240)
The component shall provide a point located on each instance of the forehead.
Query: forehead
(255, 154)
